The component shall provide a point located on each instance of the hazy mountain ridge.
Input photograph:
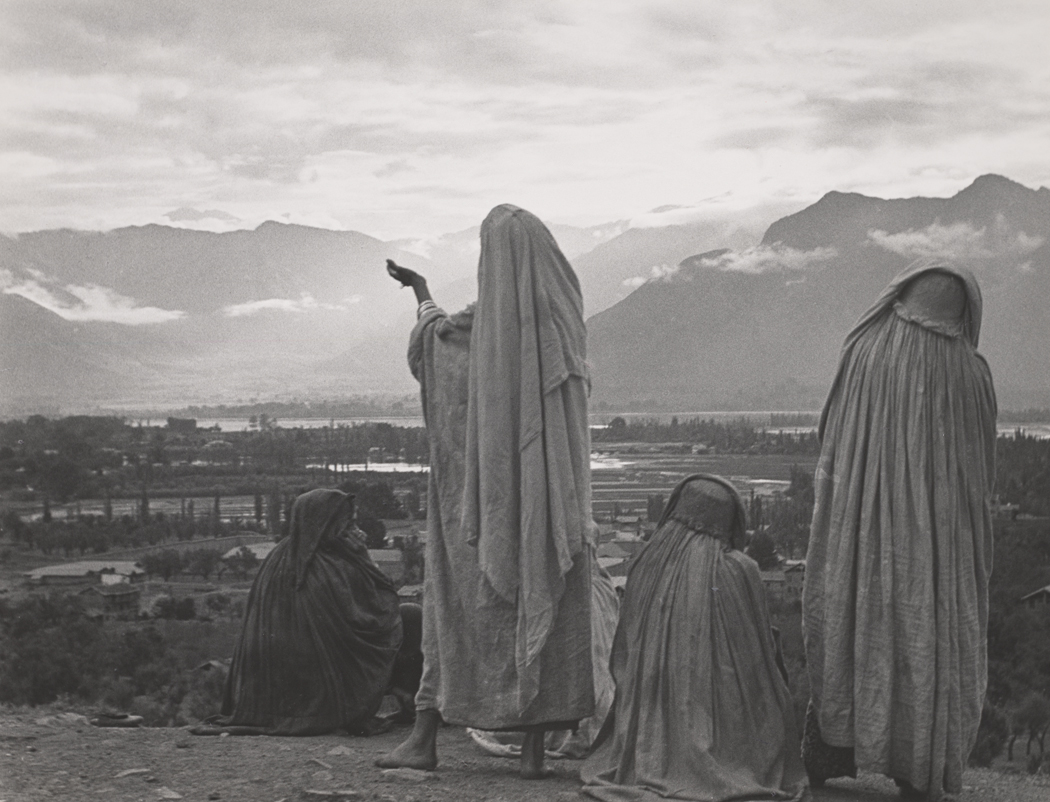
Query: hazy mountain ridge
(762, 328)
(278, 310)
(692, 313)
(616, 268)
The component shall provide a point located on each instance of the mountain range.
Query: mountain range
(686, 313)
(762, 328)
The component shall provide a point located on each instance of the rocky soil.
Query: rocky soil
(47, 755)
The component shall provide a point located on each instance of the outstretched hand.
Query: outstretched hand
(407, 277)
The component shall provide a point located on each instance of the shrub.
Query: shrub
(992, 733)
(204, 697)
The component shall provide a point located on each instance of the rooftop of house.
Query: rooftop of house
(1036, 593)
(260, 550)
(613, 549)
(111, 591)
(86, 568)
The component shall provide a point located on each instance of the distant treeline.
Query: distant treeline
(351, 407)
(95, 457)
(739, 436)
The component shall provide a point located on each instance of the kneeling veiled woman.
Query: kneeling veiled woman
(321, 630)
(702, 711)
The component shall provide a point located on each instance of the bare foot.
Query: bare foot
(532, 755)
(419, 750)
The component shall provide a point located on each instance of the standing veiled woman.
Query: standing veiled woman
(507, 588)
(321, 631)
(895, 605)
(701, 710)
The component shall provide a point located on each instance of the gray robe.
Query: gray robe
(470, 632)
(895, 606)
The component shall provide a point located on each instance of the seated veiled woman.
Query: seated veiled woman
(321, 631)
(702, 711)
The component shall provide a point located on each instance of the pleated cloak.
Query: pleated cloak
(895, 604)
(575, 744)
(321, 630)
(507, 590)
(701, 710)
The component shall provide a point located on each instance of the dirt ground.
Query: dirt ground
(47, 756)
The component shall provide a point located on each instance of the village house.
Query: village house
(1037, 599)
(111, 601)
(773, 581)
(260, 550)
(784, 583)
(389, 562)
(794, 578)
(91, 572)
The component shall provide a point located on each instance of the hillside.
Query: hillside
(761, 328)
(55, 754)
(614, 269)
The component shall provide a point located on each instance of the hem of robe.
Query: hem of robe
(299, 726)
(641, 793)
(543, 727)
(469, 718)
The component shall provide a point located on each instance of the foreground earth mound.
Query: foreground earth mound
(49, 756)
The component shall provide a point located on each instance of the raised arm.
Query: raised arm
(409, 278)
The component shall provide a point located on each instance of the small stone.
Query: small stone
(340, 750)
(224, 735)
(284, 748)
(214, 795)
(152, 780)
(323, 776)
(407, 775)
(30, 748)
(131, 772)
(319, 762)
(166, 793)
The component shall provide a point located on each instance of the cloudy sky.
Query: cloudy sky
(413, 117)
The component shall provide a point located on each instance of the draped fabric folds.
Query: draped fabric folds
(526, 502)
(701, 710)
(605, 608)
(507, 590)
(895, 605)
(321, 630)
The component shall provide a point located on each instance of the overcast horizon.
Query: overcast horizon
(412, 119)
